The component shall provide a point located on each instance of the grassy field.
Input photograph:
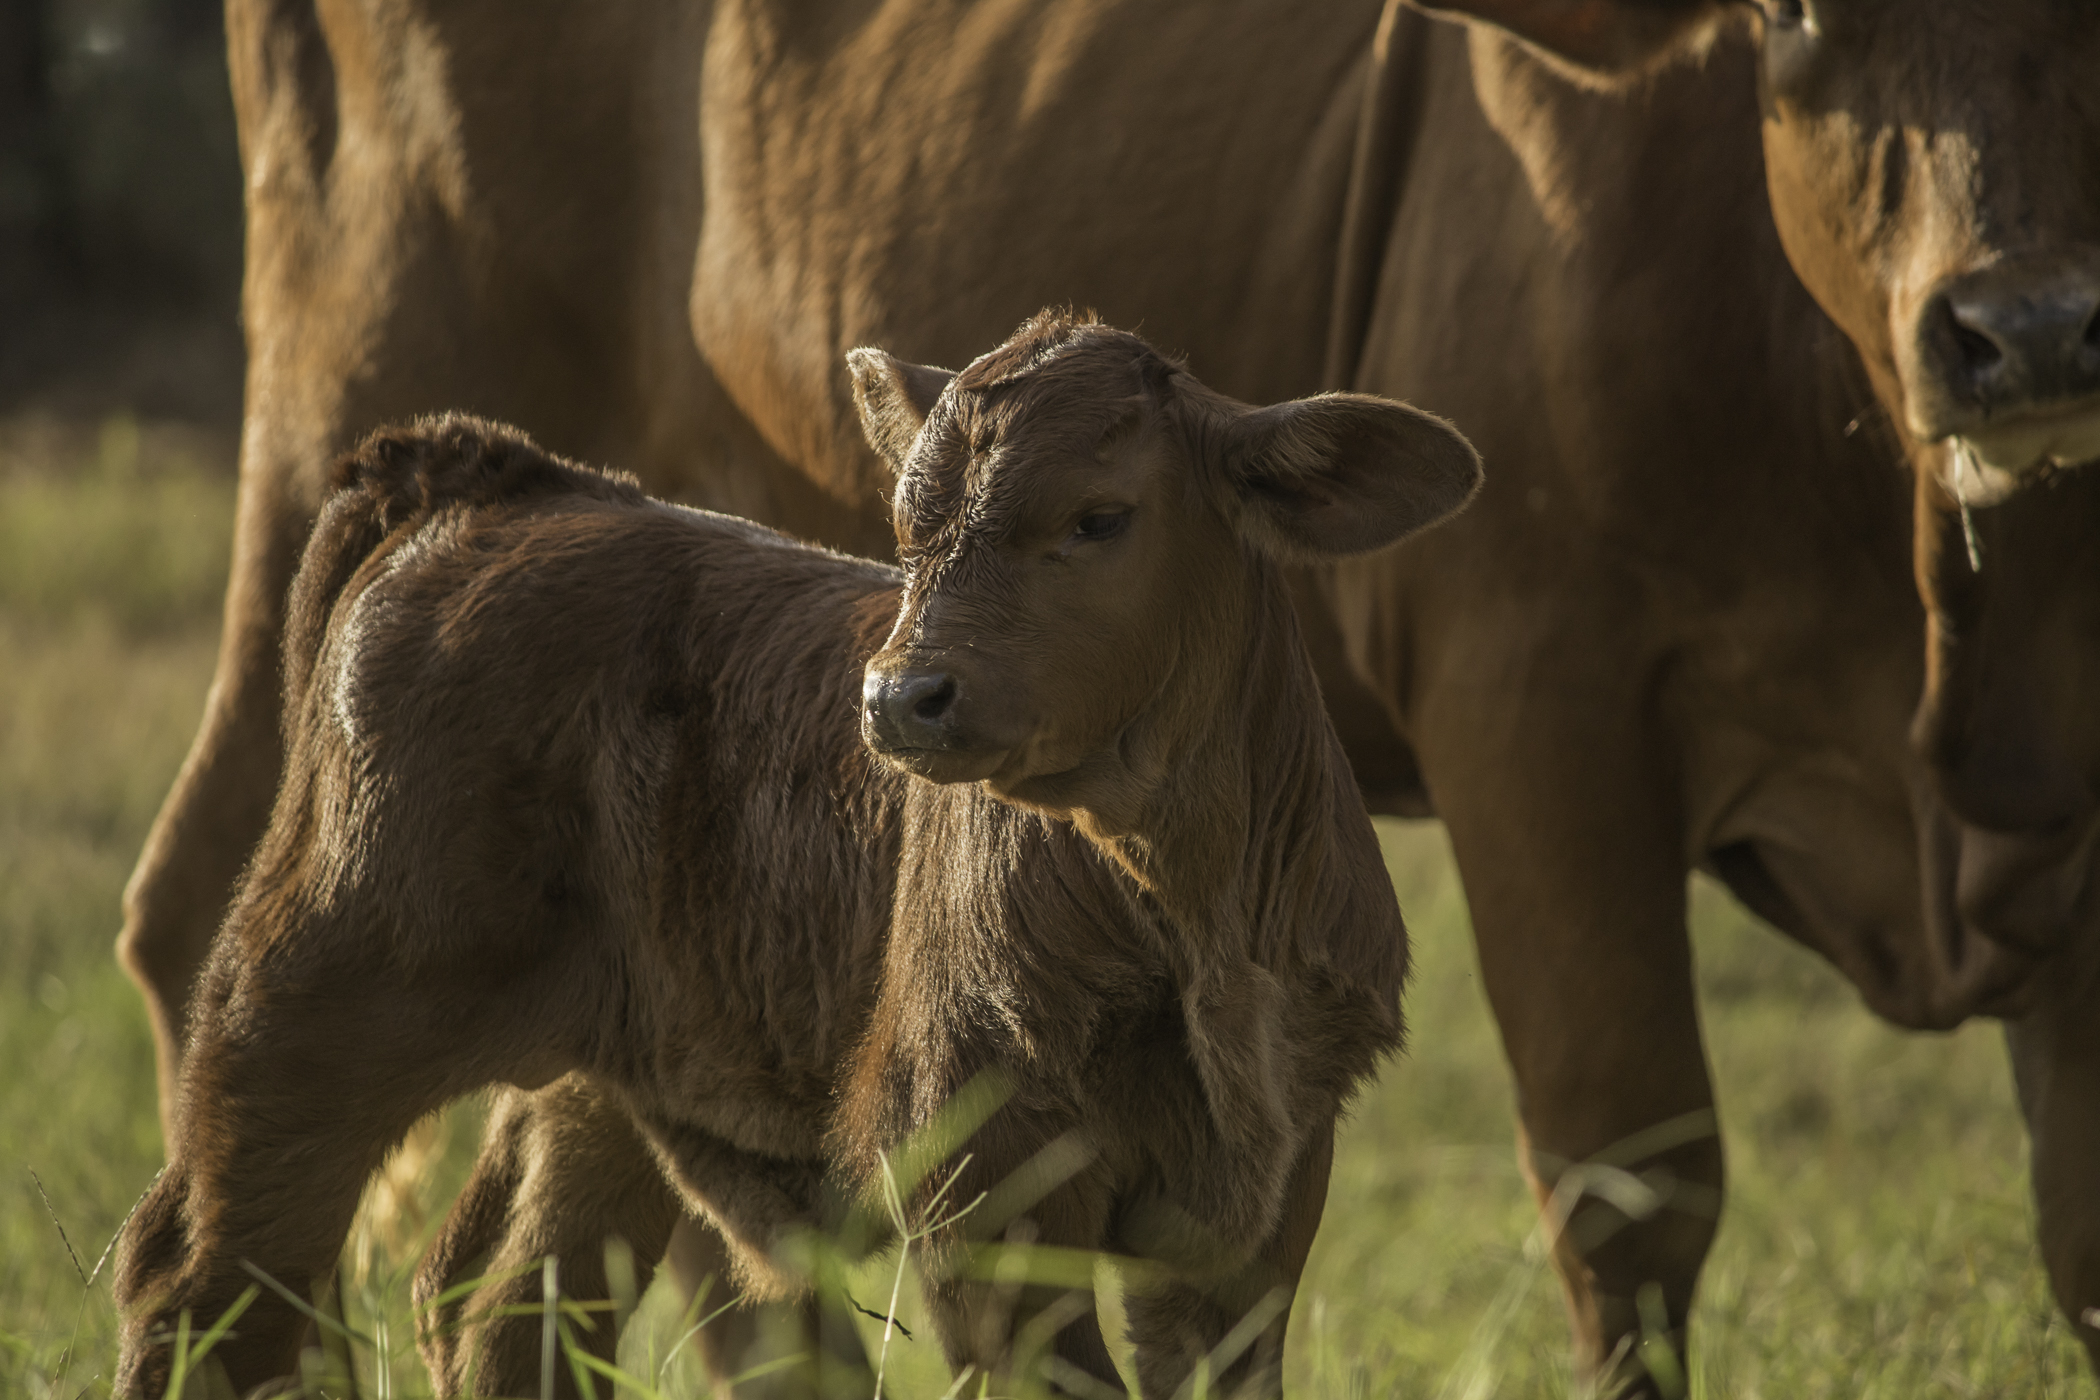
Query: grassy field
(1876, 1241)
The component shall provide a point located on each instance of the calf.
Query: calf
(584, 784)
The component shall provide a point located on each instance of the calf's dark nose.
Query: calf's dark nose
(909, 709)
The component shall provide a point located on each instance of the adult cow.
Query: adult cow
(1712, 286)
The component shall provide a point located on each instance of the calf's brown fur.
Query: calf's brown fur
(576, 787)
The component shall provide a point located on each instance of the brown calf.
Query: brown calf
(576, 783)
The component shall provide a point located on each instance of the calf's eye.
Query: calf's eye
(1100, 525)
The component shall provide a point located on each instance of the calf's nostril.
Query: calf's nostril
(933, 702)
(912, 708)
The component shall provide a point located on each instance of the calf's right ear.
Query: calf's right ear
(894, 396)
(1344, 473)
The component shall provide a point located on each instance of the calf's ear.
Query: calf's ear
(894, 397)
(1605, 37)
(1344, 473)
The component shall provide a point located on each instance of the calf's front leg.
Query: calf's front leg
(1177, 1326)
(805, 1348)
(1000, 1321)
(747, 1211)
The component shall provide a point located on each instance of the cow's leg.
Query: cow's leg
(2056, 1064)
(221, 799)
(561, 1172)
(323, 309)
(1563, 818)
(395, 284)
(301, 1078)
(1179, 1326)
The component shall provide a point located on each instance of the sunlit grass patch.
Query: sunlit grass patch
(136, 530)
(1878, 1236)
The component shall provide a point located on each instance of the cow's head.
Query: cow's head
(1934, 173)
(1934, 167)
(1085, 530)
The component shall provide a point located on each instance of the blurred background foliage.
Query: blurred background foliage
(120, 210)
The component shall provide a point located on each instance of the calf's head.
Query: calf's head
(1087, 533)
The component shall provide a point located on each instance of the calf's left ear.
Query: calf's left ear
(1344, 473)
(893, 396)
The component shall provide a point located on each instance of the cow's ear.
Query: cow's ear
(1602, 36)
(1342, 473)
(894, 397)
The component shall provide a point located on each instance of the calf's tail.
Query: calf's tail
(394, 481)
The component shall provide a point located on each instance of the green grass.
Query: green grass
(1877, 1240)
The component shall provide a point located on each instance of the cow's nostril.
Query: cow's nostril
(2012, 340)
(1980, 354)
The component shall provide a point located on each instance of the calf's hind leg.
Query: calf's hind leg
(561, 1172)
(299, 1081)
